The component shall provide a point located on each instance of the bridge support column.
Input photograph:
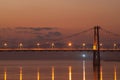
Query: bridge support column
(96, 54)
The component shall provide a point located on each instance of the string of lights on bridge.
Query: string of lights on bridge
(53, 45)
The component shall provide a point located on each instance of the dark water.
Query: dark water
(30, 62)
(30, 68)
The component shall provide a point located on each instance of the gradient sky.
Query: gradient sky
(66, 16)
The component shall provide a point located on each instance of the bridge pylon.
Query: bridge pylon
(96, 54)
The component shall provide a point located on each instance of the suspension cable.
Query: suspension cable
(73, 35)
(109, 32)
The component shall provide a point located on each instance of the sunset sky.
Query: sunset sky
(49, 21)
(56, 17)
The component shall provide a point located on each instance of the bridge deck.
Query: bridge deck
(56, 49)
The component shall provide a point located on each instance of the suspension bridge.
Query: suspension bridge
(58, 45)
(96, 47)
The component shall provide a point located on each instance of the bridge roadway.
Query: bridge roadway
(57, 49)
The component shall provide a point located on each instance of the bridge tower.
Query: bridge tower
(96, 54)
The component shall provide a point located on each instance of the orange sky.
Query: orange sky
(67, 16)
(60, 13)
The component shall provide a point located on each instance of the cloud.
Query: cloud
(6, 29)
(49, 36)
(44, 28)
(35, 28)
(54, 34)
(41, 37)
(29, 34)
(31, 30)
(40, 33)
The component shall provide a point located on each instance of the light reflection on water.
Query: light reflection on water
(54, 70)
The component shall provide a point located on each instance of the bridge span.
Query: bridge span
(57, 49)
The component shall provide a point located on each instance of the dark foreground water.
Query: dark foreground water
(30, 68)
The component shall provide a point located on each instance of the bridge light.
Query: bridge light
(115, 45)
(83, 45)
(53, 45)
(20, 45)
(38, 45)
(94, 47)
(101, 45)
(5, 44)
(70, 44)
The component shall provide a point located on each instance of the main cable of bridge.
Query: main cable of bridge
(84, 31)
(73, 35)
(110, 32)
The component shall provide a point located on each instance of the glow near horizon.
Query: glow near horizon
(70, 14)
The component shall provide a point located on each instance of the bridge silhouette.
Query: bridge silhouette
(110, 42)
(96, 47)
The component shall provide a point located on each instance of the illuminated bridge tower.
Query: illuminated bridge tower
(96, 54)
